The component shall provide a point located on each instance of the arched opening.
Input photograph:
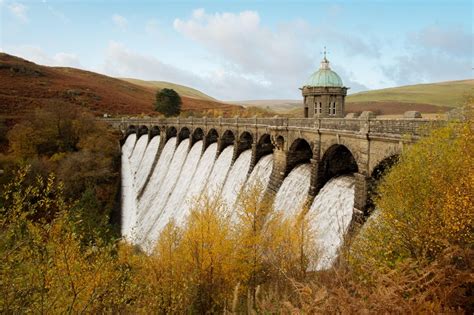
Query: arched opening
(154, 131)
(245, 141)
(197, 135)
(264, 146)
(142, 130)
(227, 139)
(130, 129)
(183, 134)
(337, 160)
(211, 137)
(300, 152)
(376, 176)
(171, 132)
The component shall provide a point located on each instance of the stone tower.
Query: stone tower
(324, 93)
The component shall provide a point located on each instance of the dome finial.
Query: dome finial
(325, 62)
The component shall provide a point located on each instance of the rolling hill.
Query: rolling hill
(181, 89)
(426, 98)
(25, 85)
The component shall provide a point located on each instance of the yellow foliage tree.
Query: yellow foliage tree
(426, 202)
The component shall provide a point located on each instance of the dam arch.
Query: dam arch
(337, 160)
(183, 134)
(300, 152)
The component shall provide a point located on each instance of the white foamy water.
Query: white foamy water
(236, 179)
(199, 180)
(145, 210)
(137, 153)
(293, 191)
(157, 220)
(173, 208)
(129, 206)
(219, 173)
(260, 174)
(147, 163)
(330, 216)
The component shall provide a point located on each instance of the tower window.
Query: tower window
(332, 109)
(317, 107)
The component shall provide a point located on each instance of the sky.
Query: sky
(247, 50)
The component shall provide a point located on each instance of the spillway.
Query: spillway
(199, 180)
(161, 186)
(173, 208)
(137, 154)
(260, 176)
(146, 213)
(157, 219)
(129, 206)
(219, 173)
(330, 216)
(293, 191)
(236, 179)
(146, 163)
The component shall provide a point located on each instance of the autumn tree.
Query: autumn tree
(425, 202)
(168, 102)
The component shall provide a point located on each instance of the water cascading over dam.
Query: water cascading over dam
(161, 186)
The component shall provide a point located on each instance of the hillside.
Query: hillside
(426, 98)
(25, 85)
(449, 94)
(181, 89)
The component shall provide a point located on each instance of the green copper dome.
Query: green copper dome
(325, 77)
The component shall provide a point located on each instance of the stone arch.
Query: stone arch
(280, 142)
(379, 171)
(300, 152)
(226, 139)
(244, 142)
(171, 132)
(211, 137)
(337, 160)
(197, 135)
(142, 130)
(130, 129)
(154, 131)
(183, 134)
(264, 146)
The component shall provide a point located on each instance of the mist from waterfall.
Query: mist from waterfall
(161, 186)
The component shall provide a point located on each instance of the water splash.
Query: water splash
(146, 163)
(293, 192)
(236, 179)
(330, 216)
(129, 207)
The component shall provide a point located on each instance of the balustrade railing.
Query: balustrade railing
(374, 126)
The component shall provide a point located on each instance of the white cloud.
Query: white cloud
(455, 42)
(120, 61)
(19, 11)
(120, 21)
(242, 40)
(433, 54)
(38, 55)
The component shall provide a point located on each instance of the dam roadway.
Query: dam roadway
(364, 146)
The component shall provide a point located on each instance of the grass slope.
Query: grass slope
(449, 94)
(25, 85)
(181, 89)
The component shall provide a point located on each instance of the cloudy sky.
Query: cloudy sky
(239, 50)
